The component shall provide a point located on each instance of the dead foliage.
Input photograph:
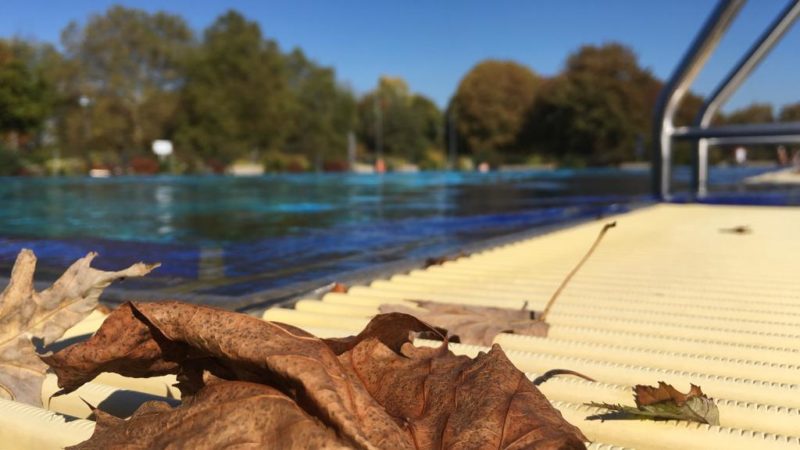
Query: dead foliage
(250, 383)
(26, 315)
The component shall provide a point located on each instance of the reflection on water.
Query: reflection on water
(235, 236)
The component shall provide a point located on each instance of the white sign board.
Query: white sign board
(162, 147)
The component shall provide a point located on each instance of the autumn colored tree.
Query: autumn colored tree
(753, 113)
(491, 105)
(790, 113)
(597, 108)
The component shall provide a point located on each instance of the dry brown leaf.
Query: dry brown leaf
(374, 390)
(339, 288)
(649, 395)
(476, 325)
(251, 414)
(480, 324)
(739, 229)
(46, 315)
(439, 260)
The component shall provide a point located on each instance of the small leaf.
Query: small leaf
(439, 260)
(739, 229)
(339, 288)
(663, 403)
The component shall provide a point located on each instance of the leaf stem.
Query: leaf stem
(564, 283)
(554, 372)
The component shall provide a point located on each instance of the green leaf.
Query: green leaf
(694, 407)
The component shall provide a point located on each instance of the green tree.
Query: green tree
(790, 113)
(323, 112)
(597, 108)
(24, 93)
(491, 106)
(430, 117)
(236, 101)
(126, 65)
(405, 123)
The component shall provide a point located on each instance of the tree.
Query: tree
(405, 123)
(323, 112)
(126, 66)
(790, 113)
(491, 105)
(753, 113)
(597, 108)
(24, 93)
(430, 118)
(236, 100)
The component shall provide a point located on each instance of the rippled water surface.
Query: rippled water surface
(224, 236)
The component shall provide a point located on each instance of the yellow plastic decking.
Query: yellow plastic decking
(668, 296)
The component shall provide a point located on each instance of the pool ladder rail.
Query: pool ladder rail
(702, 133)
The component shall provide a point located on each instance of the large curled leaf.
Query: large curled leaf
(477, 325)
(267, 385)
(664, 403)
(46, 315)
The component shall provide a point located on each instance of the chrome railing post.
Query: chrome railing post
(677, 86)
(731, 83)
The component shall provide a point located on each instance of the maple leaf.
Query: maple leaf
(26, 314)
(663, 403)
(476, 325)
(253, 383)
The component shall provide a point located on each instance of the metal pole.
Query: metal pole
(677, 86)
(451, 157)
(731, 83)
(378, 126)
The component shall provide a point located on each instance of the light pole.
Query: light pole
(84, 103)
(378, 125)
(451, 142)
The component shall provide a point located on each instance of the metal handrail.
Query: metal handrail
(675, 89)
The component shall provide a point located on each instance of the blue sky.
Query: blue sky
(432, 44)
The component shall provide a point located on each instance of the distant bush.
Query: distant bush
(335, 166)
(433, 159)
(66, 166)
(281, 162)
(10, 162)
(143, 165)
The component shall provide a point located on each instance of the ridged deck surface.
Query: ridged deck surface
(672, 294)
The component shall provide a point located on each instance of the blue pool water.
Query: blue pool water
(234, 237)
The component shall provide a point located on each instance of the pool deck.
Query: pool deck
(788, 176)
(684, 294)
(698, 294)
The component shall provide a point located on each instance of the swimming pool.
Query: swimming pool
(245, 237)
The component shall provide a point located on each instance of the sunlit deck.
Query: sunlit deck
(673, 294)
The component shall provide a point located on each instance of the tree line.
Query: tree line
(127, 77)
